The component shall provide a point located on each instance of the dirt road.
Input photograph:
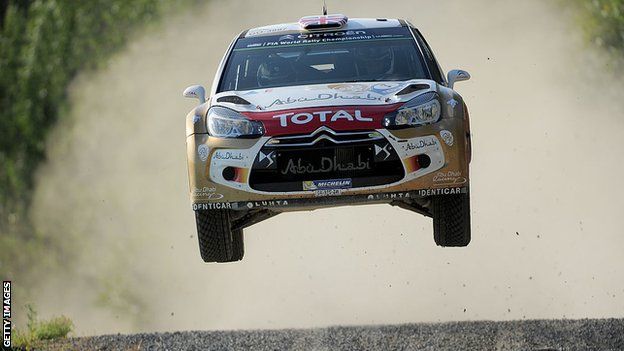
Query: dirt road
(502, 336)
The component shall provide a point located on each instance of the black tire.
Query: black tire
(451, 220)
(238, 246)
(217, 242)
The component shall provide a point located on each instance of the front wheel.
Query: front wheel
(451, 220)
(217, 241)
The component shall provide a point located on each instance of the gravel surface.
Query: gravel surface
(604, 334)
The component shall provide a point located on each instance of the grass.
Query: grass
(37, 331)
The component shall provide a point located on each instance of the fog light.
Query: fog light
(424, 161)
(229, 173)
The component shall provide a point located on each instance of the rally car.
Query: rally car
(324, 112)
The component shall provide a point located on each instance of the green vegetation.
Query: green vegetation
(36, 331)
(603, 21)
(43, 44)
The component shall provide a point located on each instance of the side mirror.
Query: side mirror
(196, 92)
(457, 75)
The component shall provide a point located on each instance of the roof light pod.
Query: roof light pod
(323, 21)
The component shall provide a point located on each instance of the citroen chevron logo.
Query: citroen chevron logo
(268, 156)
(379, 149)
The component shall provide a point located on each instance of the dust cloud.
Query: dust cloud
(547, 118)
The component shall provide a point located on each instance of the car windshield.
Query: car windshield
(323, 57)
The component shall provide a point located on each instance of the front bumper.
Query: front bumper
(326, 168)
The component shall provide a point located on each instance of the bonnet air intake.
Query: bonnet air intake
(233, 99)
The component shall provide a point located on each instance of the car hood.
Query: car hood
(340, 106)
(336, 94)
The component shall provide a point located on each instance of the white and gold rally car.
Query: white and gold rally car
(325, 112)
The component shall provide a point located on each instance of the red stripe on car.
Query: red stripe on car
(307, 120)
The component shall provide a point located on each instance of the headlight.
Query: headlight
(423, 109)
(226, 123)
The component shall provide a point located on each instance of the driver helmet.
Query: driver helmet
(375, 60)
(275, 70)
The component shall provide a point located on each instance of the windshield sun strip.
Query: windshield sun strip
(319, 44)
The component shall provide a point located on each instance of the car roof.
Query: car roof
(295, 27)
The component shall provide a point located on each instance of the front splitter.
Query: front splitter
(328, 200)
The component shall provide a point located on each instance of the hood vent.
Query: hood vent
(413, 88)
(233, 99)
